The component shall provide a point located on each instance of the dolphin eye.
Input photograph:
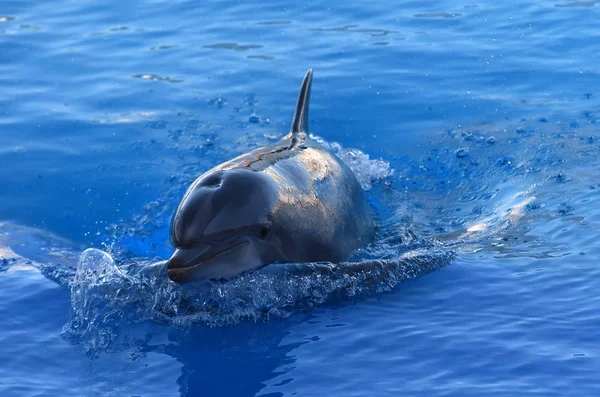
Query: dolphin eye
(264, 232)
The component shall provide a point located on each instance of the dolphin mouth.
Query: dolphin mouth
(186, 264)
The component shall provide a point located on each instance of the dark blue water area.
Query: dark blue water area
(472, 127)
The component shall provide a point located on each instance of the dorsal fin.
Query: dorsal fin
(300, 122)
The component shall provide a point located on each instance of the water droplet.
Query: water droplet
(462, 153)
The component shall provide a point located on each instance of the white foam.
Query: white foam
(366, 169)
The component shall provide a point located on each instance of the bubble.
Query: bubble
(95, 264)
(462, 153)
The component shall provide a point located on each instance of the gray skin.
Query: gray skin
(289, 202)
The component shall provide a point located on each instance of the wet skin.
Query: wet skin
(288, 202)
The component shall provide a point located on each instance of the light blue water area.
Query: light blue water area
(472, 127)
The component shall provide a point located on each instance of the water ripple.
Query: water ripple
(274, 23)
(354, 28)
(577, 4)
(234, 46)
(154, 77)
(263, 57)
(437, 15)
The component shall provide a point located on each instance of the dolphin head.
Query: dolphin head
(225, 223)
(223, 226)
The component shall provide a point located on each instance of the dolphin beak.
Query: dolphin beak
(184, 258)
(206, 261)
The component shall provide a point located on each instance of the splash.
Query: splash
(368, 171)
(105, 297)
(468, 193)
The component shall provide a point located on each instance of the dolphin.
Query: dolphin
(290, 202)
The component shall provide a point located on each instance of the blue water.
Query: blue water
(472, 126)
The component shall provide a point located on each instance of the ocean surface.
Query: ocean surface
(473, 127)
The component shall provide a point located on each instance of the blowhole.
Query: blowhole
(212, 181)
